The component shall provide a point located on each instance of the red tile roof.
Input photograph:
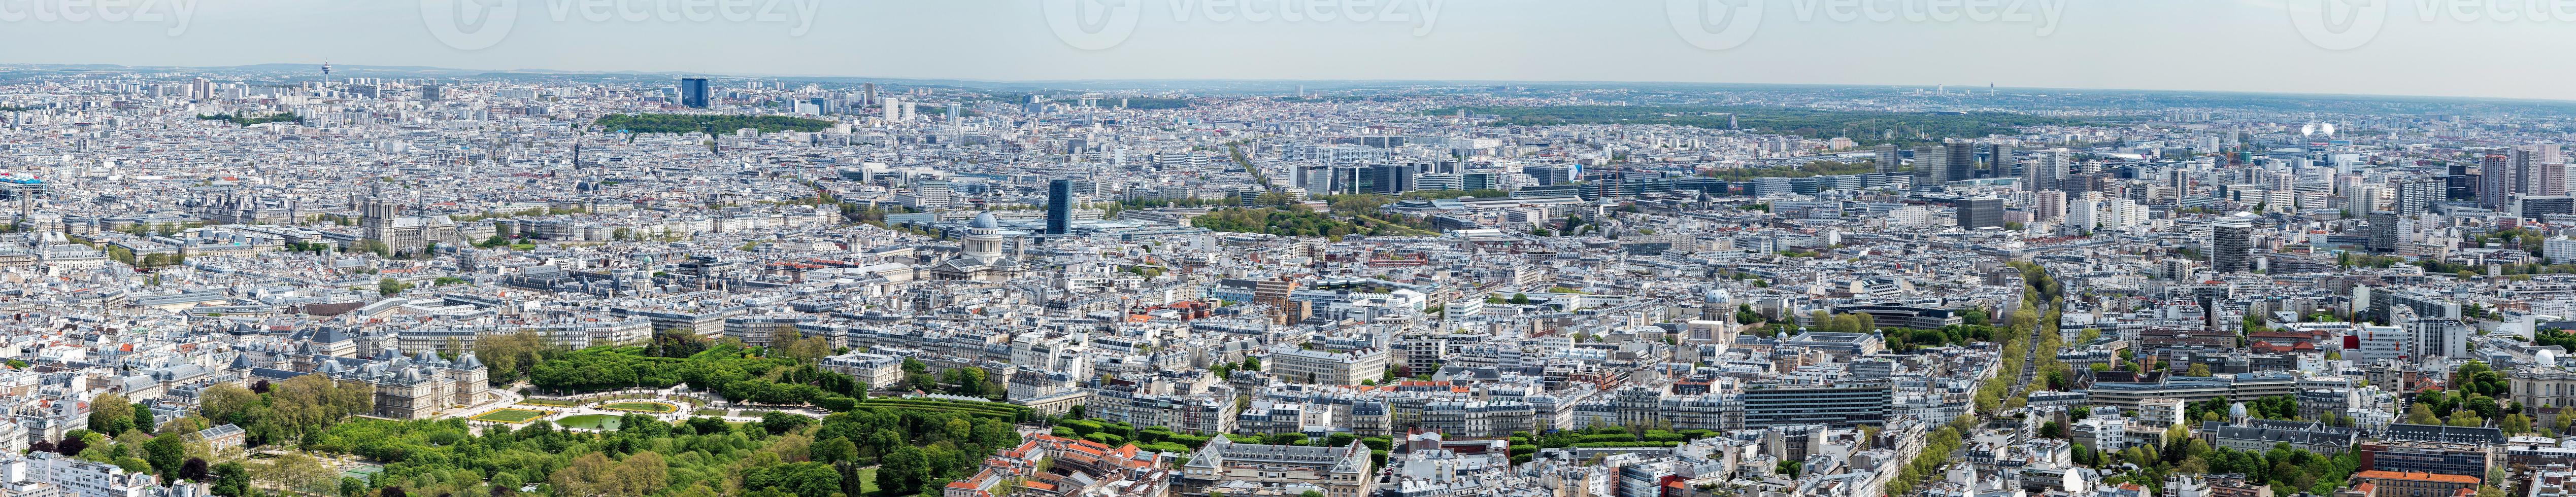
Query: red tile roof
(2415, 476)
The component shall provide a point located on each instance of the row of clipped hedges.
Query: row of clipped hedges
(996, 410)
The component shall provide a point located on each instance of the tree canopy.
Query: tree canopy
(738, 373)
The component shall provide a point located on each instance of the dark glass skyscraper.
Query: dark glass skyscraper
(1999, 161)
(2231, 241)
(693, 92)
(2383, 232)
(1963, 160)
(1394, 179)
(1981, 212)
(1059, 207)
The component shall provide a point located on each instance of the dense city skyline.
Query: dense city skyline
(1286, 248)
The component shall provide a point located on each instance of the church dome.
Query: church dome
(984, 221)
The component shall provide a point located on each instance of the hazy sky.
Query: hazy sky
(2457, 48)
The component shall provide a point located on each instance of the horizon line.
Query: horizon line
(346, 67)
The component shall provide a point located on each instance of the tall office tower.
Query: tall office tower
(2079, 182)
(2086, 213)
(2432, 339)
(1889, 160)
(2125, 213)
(1312, 177)
(2417, 196)
(2547, 152)
(955, 111)
(868, 94)
(1059, 207)
(1963, 160)
(1349, 179)
(1999, 160)
(2547, 178)
(2049, 171)
(1931, 167)
(2458, 184)
(1392, 178)
(2361, 199)
(1981, 212)
(2048, 205)
(2495, 182)
(893, 109)
(2544, 159)
(2527, 165)
(693, 92)
(2383, 231)
(2231, 244)
(2566, 179)
(433, 93)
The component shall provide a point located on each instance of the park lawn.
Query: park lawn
(510, 415)
(651, 407)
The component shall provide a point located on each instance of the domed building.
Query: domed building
(981, 258)
(1716, 304)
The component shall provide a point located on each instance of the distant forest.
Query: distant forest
(1865, 127)
(712, 124)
